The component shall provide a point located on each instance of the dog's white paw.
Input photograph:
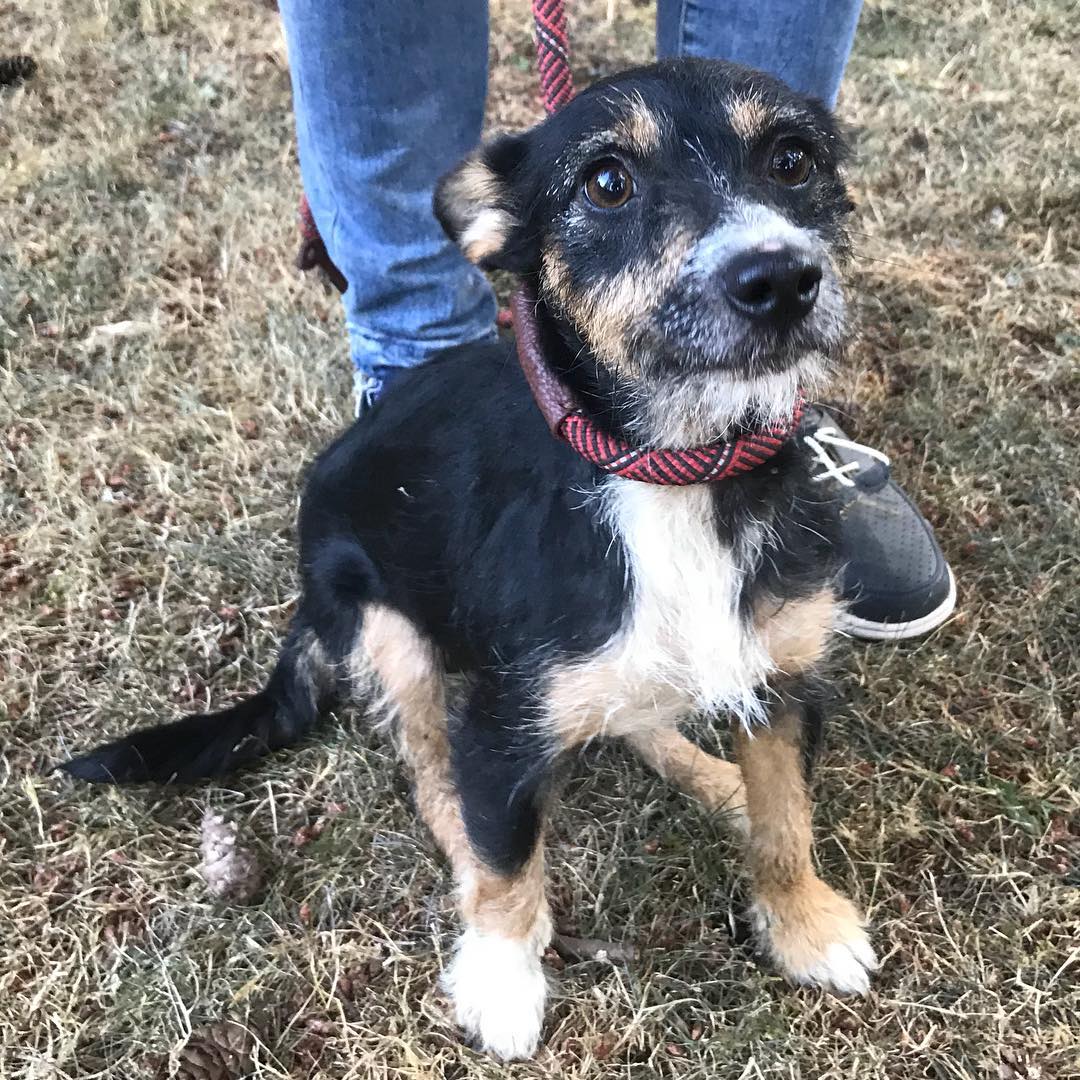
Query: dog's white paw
(816, 937)
(499, 989)
(844, 969)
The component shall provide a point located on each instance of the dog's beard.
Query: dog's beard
(699, 407)
(704, 376)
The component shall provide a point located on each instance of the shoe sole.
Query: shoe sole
(898, 631)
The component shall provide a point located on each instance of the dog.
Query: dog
(502, 596)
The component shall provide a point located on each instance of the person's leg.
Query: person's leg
(388, 96)
(804, 42)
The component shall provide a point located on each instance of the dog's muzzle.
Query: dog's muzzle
(755, 294)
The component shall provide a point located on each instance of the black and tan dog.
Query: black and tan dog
(677, 230)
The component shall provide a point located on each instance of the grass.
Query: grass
(146, 549)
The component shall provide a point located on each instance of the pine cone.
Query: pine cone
(16, 69)
(220, 1051)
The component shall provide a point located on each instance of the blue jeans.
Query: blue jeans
(389, 94)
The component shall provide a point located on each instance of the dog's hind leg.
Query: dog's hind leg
(814, 935)
(716, 783)
(487, 822)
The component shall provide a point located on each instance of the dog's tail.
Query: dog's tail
(300, 691)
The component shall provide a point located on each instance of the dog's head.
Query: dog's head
(683, 223)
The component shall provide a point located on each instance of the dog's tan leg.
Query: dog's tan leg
(814, 935)
(495, 978)
(715, 782)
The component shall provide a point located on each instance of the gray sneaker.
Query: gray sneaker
(896, 583)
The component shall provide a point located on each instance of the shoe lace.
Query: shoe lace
(831, 468)
(365, 390)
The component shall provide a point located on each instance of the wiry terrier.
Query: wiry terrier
(676, 231)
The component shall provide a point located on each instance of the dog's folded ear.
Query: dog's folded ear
(480, 206)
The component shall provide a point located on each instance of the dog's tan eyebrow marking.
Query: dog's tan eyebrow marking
(636, 129)
(639, 128)
(609, 139)
(749, 116)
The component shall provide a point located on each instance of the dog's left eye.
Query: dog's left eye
(790, 164)
(608, 184)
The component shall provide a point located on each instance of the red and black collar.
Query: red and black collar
(568, 421)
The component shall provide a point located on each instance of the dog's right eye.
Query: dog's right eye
(791, 165)
(608, 184)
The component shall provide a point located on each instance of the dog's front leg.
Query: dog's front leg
(480, 788)
(715, 782)
(485, 801)
(813, 934)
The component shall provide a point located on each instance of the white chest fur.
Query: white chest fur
(684, 645)
(685, 629)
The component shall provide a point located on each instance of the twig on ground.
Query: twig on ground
(576, 948)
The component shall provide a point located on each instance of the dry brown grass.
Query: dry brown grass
(149, 487)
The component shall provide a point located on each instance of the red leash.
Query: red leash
(556, 88)
(556, 79)
(552, 53)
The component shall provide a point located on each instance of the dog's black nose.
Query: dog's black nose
(774, 287)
